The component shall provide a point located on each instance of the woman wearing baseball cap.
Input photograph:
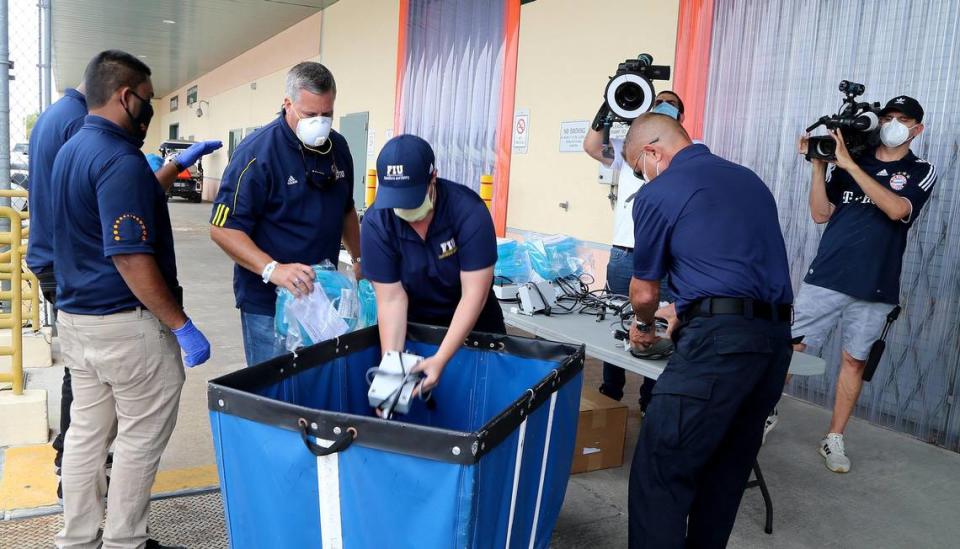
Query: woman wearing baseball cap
(429, 247)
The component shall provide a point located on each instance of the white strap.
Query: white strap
(268, 271)
(516, 480)
(328, 482)
(543, 469)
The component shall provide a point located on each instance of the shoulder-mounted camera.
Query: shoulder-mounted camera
(859, 121)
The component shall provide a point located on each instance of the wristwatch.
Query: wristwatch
(643, 326)
(176, 162)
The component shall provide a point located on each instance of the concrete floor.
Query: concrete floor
(900, 493)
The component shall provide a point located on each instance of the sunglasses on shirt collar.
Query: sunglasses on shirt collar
(321, 179)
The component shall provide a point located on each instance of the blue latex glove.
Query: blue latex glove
(193, 153)
(196, 348)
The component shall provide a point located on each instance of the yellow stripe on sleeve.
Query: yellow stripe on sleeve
(236, 191)
(216, 216)
(226, 213)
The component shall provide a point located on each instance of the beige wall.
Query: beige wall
(356, 40)
(359, 45)
(567, 52)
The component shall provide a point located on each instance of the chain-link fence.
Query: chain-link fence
(23, 92)
(25, 87)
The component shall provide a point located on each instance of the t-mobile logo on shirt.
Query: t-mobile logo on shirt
(848, 198)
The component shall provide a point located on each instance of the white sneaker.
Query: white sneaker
(771, 422)
(831, 448)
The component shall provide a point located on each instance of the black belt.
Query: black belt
(623, 248)
(739, 306)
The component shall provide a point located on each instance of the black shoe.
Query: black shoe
(618, 396)
(154, 544)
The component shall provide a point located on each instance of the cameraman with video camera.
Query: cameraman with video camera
(628, 91)
(869, 204)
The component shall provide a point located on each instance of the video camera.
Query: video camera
(859, 121)
(630, 91)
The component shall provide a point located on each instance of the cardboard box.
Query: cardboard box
(601, 432)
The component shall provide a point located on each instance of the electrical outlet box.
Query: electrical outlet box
(506, 292)
(392, 377)
(536, 297)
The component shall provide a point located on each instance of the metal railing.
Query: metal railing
(13, 269)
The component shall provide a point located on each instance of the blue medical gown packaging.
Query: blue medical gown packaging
(304, 462)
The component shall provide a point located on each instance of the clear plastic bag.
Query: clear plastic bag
(555, 256)
(337, 305)
(513, 265)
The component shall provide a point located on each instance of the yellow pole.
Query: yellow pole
(371, 194)
(15, 320)
(486, 189)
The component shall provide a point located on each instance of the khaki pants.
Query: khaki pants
(126, 370)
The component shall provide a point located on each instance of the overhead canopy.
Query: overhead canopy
(179, 39)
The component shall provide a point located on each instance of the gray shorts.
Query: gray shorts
(817, 311)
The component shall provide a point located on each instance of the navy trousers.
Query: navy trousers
(703, 429)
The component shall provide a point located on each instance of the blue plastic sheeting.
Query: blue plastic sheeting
(278, 494)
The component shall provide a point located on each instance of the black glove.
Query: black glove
(600, 119)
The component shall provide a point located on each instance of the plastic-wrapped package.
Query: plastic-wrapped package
(554, 256)
(368, 305)
(512, 262)
(337, 305)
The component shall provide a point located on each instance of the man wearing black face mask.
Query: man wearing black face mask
(121, 322)
(869, 205)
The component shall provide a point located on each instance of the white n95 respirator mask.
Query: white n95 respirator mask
(894, 133)
(314, 131)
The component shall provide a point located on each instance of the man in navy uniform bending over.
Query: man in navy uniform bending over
(712, 225)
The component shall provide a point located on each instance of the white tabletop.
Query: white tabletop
(598, 339)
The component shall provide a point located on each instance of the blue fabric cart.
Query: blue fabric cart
(304, 462)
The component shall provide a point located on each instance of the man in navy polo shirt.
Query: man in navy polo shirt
(285, 203)
(731, 328)
(121, 321)
(55, 126)
(869, 205)
(429, 247)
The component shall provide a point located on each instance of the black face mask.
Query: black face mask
(141, 122)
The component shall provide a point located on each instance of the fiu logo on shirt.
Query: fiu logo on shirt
(129, 227)
(899, 180)
(448, 248)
